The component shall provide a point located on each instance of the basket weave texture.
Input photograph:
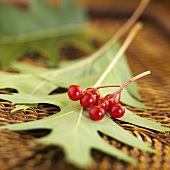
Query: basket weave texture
(149, 51)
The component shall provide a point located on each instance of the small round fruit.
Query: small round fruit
(104, 104)
(88, 100)
(75, 92)
(108, 96)
(112, 103)
(114, 96)
(94, 91)
(96, 113)
(116, 111)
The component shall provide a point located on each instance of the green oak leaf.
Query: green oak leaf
(86, 72)
(41, 27)
(77, 135)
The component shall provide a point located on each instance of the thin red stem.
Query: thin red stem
(127, 83)
(99, 87)
(134, 78)
(113, 95)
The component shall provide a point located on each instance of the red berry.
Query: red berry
(112, 103)
(75, 92)
(88, 100)
(114, 96)
(108, 96)
(116, 111)
(96, 113)
(94, 91)
(104, 104)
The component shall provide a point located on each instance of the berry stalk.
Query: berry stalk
(133, 79)
(115, 94)
(122, 30)
(99, 87)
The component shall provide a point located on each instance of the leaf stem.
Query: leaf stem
(125, 45)
(130, 22)
(116, 95)
(126, 26)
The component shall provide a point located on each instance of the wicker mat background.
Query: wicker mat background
(149, 51)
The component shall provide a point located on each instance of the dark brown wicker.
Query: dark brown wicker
(149, 51)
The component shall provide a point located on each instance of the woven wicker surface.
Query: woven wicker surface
(149, 51)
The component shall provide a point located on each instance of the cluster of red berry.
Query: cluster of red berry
(90, 98)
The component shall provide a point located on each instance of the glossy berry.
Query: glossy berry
(104, 104)
(108, 96)
(112, 103)
(96, 113)
(116, 111)
(88, 100)
(75, 92)
(114, 96)
(94, 91)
